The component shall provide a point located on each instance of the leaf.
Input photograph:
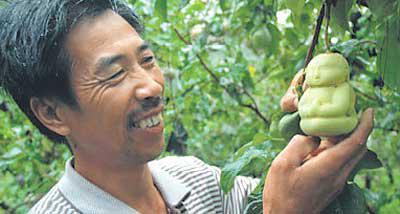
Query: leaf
(132, 2)
(231, 170)
(333, 208)
(388, 62)
(340, 13)
(296, 6)
(350, 201)
(381, 8)
(183, 3)
(161, 9)
(224, 4)
(369, 161)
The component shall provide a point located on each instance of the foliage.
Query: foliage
(223, 91)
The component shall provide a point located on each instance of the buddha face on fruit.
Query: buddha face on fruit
(327, 106)
(327, 70)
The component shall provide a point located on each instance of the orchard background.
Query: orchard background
(226, 66)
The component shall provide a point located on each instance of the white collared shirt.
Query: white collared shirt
(186, 184)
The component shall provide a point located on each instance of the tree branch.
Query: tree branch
(255, 107)
(252, 106)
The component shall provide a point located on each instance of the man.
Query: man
(83, 75)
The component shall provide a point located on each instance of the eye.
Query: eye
(117, 74)
(148, 59)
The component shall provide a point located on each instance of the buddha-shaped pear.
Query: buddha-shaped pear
(327, 107)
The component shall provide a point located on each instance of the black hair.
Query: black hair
(33, 58)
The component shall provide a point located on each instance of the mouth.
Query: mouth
(147, 122)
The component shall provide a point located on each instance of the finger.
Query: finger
(298, 149)
(336, 139)
(352, 163)
(325, 144)
(290, 100)
(340, 154)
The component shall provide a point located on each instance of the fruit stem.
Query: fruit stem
(315, 36)
(328, 18)
(313, 44)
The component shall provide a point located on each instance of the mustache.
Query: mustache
(151, 102)
(147, 105)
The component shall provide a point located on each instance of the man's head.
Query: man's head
(80, 71)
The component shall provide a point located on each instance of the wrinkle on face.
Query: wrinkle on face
(108, 104)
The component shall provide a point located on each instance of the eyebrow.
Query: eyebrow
(143, 47)
(107, 61)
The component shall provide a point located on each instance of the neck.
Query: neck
(132, 184)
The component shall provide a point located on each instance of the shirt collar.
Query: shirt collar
(89, 198)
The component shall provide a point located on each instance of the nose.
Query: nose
(150, 90)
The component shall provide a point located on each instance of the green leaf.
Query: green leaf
(350, 201)
(231, 170)
(334, 208)
(381, 8)
(296, 6)
(224, 4)
(340, 13)
(388, 62)
(369, 161)
(161, 9)
(132, 2)
(183, 3)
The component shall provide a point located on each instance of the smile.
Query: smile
(149, 122)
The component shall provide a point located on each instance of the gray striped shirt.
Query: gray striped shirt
(187, 184)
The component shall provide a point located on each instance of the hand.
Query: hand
(297, 185)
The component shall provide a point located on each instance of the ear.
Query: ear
(50, 113)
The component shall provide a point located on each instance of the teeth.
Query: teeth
(149, 122)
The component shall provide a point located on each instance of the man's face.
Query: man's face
(118, 86)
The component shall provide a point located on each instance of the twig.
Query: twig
(311, 49)
(366, 95)
(315, 36)
(387, 129)
(252, 106)
(255, 107)
(328, 18)
(367, 42)
(199, 83)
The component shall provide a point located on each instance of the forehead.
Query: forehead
(105, 34)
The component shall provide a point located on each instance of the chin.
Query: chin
(150, 152)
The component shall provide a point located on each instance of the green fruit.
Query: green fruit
(261, 39)
(327, 106)
(289, 126)
(274, 129)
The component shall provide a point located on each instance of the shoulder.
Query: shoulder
(53, 202)
(202, 179)
(184, 164)
(192, 172)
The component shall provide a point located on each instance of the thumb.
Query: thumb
(298, 149)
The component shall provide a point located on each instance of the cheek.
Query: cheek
(159, 78)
